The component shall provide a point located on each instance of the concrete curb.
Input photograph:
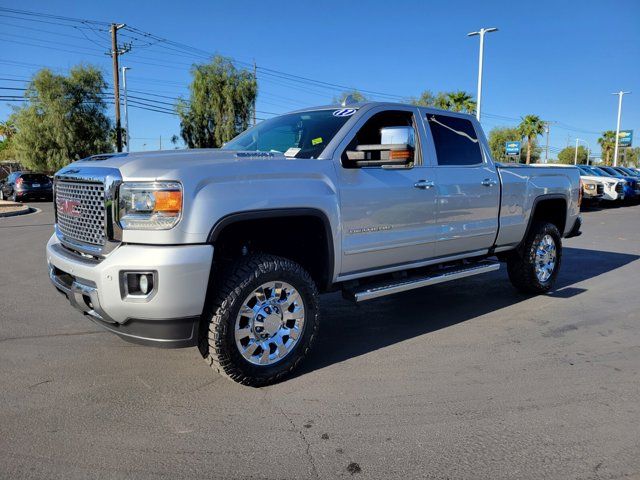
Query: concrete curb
(23, 211)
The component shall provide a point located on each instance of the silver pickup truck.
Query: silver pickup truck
(229, 249)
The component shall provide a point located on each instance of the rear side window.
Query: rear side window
(455, 140)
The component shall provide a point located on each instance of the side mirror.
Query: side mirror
(396, 149)
(382, 155)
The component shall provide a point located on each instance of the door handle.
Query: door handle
(424, 184)
(487, 182)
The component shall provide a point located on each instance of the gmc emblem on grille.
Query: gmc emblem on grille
(68, 207)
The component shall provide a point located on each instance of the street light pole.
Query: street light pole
(615, 152)
(481, 32)
(575, 158)
(126, 108)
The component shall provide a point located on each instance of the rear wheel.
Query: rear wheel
(262, 322)
(535, 268)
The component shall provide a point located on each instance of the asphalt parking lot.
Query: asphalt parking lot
(460, 380)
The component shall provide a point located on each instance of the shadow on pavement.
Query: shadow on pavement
(350, 330)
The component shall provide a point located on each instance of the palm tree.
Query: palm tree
(461, 101)
(530, 127)
(607, 142)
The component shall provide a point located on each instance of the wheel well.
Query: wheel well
(553, 210)
(305, 239)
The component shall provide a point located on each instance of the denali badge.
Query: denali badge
(68, 207)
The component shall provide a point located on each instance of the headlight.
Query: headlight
(589, 186)
(150, 205)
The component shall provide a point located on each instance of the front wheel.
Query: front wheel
(535, 268)
(262, 322)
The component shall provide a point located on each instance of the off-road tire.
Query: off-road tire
(521, 263)
(217, 342)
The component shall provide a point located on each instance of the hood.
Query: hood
(165, 164)
(593, 178)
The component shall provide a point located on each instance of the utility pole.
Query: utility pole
(160, 142)
(615, 152)
(546, 149)
(481, 32)
(255, 76)
(126, 108)
(116, 78)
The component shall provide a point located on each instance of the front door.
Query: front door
(388, 211)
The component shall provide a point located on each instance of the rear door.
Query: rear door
(468, 188)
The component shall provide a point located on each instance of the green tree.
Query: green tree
(461, 102)
(7, 132)
(458, 101)
(498, 137)
(608, 143)
(355, 94)
(428, 99)
(7, 129)
(220, 105)
(63, 120)
(631, 156)
(530, 128)
(568, 155)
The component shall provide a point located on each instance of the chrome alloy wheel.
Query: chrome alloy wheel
(545, 261)
(269, 324)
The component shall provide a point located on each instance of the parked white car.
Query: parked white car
(613, 188)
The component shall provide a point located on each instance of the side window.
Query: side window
(455, 140)
(387, 139)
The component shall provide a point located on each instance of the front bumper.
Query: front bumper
(168, 317)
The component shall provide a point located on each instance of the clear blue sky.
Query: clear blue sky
(559, 60)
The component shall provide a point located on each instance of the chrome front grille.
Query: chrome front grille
(80, 209)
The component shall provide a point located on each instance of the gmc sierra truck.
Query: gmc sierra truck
(228, 249)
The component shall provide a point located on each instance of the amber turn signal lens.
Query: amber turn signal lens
(168, 201)
(400, 154)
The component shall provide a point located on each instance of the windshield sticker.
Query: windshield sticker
(292, 152)
(344, 112)
(316, 141)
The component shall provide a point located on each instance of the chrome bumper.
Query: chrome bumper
(81, 296)
(169, 317)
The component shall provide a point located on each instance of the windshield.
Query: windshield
(299, 135)
(591, 171)
(612, 172)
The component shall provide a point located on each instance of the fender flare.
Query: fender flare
(236, 217)
(536, 201)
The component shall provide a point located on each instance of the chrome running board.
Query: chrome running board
(446, 275)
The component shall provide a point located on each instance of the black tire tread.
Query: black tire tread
(228, 291)
(520, 265)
